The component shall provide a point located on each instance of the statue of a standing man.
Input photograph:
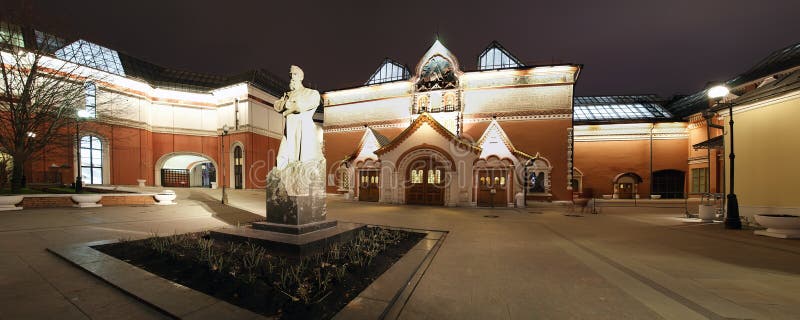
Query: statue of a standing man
(300, 141)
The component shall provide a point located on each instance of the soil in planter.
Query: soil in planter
(264, 291)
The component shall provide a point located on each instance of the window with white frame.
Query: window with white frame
(91, 160)
(91, 98)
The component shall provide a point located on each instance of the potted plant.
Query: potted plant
(706, 211)
(784, 226)
(87, 200)
(8, 202)
(165, 197)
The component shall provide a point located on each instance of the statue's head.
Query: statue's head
(297, 77)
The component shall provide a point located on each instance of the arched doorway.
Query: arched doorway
(237, 167)
(626, 185)
(425, 182)
(368, 189)
(493, 181)
(186, 169)
(669, 184)
(368, 180)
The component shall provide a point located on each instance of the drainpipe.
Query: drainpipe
(708, 152)
(652, 126)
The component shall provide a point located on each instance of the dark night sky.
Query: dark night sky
(626, 47)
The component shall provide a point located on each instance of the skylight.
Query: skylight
(497, 57)
(92, 55)
(388, 71)
(11, 35)
(618, 108)
(47, 42)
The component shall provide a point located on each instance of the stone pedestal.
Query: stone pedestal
(296, 199)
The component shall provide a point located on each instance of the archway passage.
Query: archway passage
(187, 170)
(492, 187)
(425, 184)
(368, 189)
(669, 184)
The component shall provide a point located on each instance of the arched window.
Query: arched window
(538, 175)
(422, 104)
(237, 167)
(91, 98)
(669, 184)
(450, 101)
(577, 180)
(91, 160)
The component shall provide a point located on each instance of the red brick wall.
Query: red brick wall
(127, 200)
(46, 202)
(601, 161)
(548, 138)
(134, 153)
(66, 201)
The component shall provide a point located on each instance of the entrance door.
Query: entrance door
(425, 183)
(492, 187)
(368, 189)
(626, 190)
(237, 167)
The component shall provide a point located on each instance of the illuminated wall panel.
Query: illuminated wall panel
(517, 99)
(380, 110)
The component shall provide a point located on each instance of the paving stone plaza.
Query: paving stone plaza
(534, 263)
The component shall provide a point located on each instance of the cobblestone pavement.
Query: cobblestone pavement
(534, 263)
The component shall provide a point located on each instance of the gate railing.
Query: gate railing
(676, 200)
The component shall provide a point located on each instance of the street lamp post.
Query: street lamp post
(732, 220)
(225, 129)
(82, 114)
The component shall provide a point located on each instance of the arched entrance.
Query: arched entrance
(368, 180)
(493, 182)
(626, 185)
(668, 183)
(185, 169)
(425, 182)
(424, 175)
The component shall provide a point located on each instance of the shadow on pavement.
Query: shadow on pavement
(224, 213)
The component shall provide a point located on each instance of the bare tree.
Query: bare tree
(43, 87)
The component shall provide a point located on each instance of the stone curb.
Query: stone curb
(168, 297)
(386, 297)
(382, 299)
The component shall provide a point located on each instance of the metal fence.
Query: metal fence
(685, 204)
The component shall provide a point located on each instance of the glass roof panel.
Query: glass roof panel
(497, 57)
(609, 108)
(388, 71)
(92, 55)
(11, 35)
